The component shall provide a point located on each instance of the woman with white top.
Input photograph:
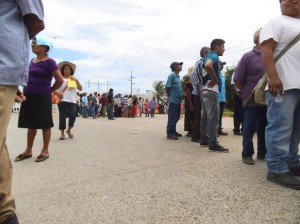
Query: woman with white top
(67, 106)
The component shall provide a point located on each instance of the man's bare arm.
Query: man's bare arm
(34, 25)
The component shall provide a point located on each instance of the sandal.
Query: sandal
(70, 135)
(62, 137)
(22, 157)
(41, 158)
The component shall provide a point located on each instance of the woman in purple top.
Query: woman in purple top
(36, 110)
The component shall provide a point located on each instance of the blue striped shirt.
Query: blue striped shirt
(14, 39)
(196, 75)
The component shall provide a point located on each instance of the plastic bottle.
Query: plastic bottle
(278, 98)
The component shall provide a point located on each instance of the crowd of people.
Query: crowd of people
(277, 125)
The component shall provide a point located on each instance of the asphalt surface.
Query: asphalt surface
(126, 171)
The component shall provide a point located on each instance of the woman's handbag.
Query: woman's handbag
(55, 98)
(258, 93)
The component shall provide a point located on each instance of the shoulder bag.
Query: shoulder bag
(258, 93)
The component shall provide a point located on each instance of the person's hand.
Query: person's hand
(275, 85)
(20, 98)
(73, 78)
(60, 95)
(212, 83)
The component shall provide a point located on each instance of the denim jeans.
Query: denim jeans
(209, 117)
(283, 131)
(173, 117)
(66, 109)
(85, 112)
(255, 119)
(152, 112)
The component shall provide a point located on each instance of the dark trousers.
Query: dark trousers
(255, 119)
(173, 117)
(66, 109)
(197, 118)
(238, 114)
(222, 107)
(110, 112)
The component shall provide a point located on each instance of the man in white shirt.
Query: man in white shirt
(283, 95)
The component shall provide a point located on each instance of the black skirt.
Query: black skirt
(36, 112)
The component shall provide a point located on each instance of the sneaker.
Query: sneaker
(285, 179)
(204, 142)
(237, 132)
(222, 133)
(12, 220)
(295, 171)
(172, 137)
(260, 157)
(218, 148)
(195, 140)
(177, 134)
(248, 160)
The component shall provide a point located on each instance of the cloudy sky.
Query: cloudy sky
(109, 39)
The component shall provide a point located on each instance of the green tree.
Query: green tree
(159, 89)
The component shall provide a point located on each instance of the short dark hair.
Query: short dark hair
(63, 68)
(204, 50)
(216, 42)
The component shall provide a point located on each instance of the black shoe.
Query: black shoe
(218, 148)
(248, 160)
(12, 220)
(295, 171)
(177, 134)
(222, 133)
(237, 132)
(172, 137)
(204, 142)
(195, 140)
(260, 157)
(285, 179)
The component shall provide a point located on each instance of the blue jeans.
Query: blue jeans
(255, 119)
(66, 109)
(173, 117)
(209, 117)
(85, 112)
(283, 131)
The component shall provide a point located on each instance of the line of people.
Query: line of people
(277, 124)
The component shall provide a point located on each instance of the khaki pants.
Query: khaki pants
(7, 203)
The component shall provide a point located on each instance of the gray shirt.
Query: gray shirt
(14, 39)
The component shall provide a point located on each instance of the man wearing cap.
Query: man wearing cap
(210, 98)
(249, 71)
(174, 93)
(283, 130)
(20, 21)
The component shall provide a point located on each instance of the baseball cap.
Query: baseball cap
(42, 40)
(174, 64)
(222, 63)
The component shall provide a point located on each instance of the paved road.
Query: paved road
(126, 171)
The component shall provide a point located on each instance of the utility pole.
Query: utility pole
(131, 83)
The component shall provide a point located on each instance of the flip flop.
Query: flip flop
(62, 137)
(70, 135)
(41, 158)
(22, 157)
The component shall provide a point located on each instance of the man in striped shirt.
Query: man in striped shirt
(196, 79)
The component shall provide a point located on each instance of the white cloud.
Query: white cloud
(119, 36)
